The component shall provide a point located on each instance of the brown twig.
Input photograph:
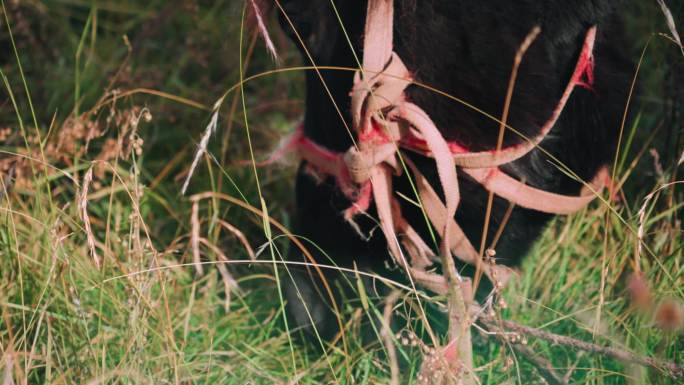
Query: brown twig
(544, 366)
(670, 368)
(529, 39)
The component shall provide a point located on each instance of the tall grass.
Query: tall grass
(102, 110)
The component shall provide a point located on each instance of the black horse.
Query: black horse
(464, 48)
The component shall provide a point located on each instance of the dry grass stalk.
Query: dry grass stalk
(83, 210)
(657, 165)
(204, 142)
(7, 180)
(386, 334)
(229, 283)
(642, 222)
(195, 236)
(640, 232)
(240, 236)
(8, 354)
(261, 26)
(7, 376)
(671, 24)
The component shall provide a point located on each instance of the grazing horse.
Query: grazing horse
(463, 48)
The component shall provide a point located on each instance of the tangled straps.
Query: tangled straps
(386, 121)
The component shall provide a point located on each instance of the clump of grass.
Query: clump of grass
(100, 140)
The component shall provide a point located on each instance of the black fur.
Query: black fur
(465, 48)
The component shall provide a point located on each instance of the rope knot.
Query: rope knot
(360, 162)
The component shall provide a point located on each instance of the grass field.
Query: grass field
(102, 107)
